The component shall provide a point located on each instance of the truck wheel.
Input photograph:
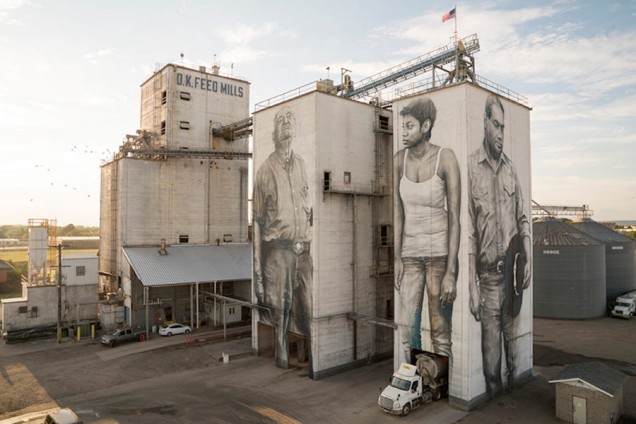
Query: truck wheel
(169, 334)
(187, 331)
(406, 410)
(112, 344)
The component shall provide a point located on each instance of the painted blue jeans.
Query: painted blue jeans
(420, 274)
(287, 285)
(496, 322)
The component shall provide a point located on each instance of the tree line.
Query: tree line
(21, 232)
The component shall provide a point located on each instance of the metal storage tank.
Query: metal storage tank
(569, 271)
(620, 262)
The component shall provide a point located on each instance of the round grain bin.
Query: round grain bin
(569, 272)
(620, 263)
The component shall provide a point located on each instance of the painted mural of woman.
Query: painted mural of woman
(427, 184)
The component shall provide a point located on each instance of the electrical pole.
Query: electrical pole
(59, 293)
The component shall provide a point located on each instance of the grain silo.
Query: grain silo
(620, 272)
(569, 271)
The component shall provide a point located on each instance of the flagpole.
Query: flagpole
(456, 23)
(456, 48)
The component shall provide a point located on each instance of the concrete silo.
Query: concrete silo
(569, 271)
(620, 268)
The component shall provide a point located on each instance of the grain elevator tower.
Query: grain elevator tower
(173, 181)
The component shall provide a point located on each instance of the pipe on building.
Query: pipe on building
(354, 276)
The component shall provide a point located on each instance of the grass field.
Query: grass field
(16, 256)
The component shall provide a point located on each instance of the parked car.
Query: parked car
(121, 335)
(174, 328)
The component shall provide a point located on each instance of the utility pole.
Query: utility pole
(59, 293)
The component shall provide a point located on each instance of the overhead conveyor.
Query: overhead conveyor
(452, 53)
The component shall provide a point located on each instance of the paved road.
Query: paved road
(163, 380)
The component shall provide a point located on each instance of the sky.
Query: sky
(71, 70)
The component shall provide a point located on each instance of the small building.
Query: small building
(188, 283)
(589, 393)
(38, 305)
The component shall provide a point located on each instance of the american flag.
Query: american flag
(449, 15)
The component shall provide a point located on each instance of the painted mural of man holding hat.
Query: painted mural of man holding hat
(499, 248)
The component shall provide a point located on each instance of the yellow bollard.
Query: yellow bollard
(92, 331)
(79, 332)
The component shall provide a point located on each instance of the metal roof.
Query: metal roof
(602, 377)
(599, 231)
(549, 231)
(187, 264)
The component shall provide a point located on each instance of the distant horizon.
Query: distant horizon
(622, 222)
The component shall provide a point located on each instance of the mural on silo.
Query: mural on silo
(463, 237)
(427, 203)
(282, 216)
(499, 246)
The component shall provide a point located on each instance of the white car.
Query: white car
(174, 328)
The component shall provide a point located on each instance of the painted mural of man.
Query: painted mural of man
(282, 237)
(499, 247)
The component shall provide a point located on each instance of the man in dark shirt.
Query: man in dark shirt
(499, 234)
(282, 236)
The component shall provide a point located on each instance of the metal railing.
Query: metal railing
(296, 92)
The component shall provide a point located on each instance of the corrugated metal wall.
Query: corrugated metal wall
(620, 263)
(569, 272)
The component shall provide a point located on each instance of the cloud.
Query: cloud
(93, 56)
(7, 6)
(240, 36)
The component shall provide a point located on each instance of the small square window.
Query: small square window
(227, 238)
(184, 238)
(347, 177)
(184, 125)
(80, 271)
(184, 95)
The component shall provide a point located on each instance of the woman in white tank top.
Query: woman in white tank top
(427, 187)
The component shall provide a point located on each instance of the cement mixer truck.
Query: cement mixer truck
(414, 385)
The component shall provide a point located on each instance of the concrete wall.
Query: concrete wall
(80, 270)
(44, 299)
(202, 100)
(459, 126)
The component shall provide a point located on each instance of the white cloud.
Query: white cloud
(8, 6)
(109, 51)
(12, 4)
(239, 38)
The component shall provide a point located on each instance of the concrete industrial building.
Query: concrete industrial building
(50, 294)
(175, 182)
(347, 148)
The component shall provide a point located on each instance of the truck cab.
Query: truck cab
(404, 391)
(625, 307)
(414, 385)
